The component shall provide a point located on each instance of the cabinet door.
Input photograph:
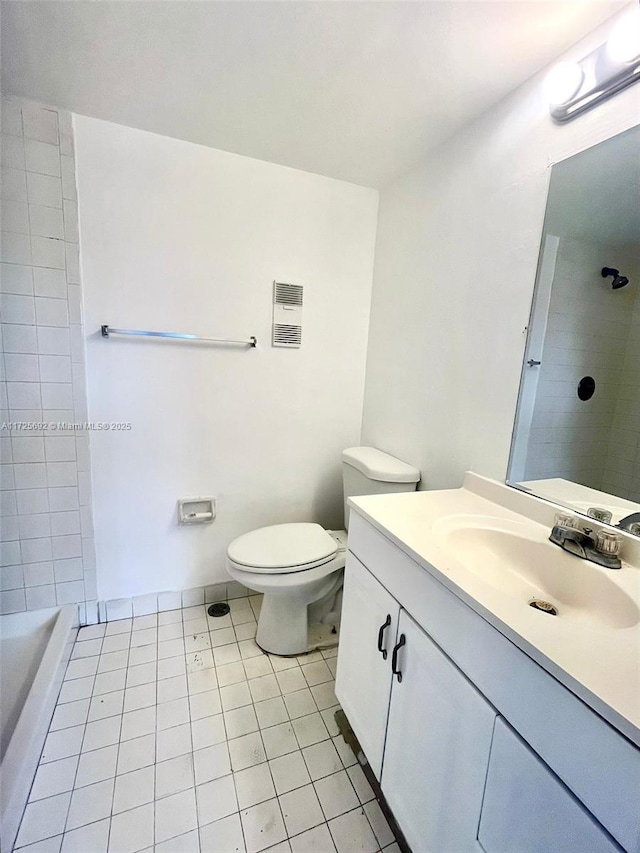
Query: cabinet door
(527, 809)
(437, 748)
(363, 679)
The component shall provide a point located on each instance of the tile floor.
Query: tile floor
(175, 733)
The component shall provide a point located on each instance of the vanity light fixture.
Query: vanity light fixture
(574, 87)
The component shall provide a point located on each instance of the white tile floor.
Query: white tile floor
(175, 733)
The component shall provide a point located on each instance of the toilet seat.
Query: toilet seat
(283, 548)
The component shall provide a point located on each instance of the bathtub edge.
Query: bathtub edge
(25, 747)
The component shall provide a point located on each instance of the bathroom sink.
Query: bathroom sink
(517, 559)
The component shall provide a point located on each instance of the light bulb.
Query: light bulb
(624, 42)
(562, 82)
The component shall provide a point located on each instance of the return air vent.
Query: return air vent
(287, 314)
(286, 336)
(287, 294)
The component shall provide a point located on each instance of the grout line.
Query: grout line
(328, 738)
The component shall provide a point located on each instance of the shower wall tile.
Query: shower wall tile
(12, 151)
(21, 367)
(15, 216)
(13, 185)
(622, 465)
(38, 574)
(17, 309)
(46, 221)
(8, 503)
(47, 252)
(12, 601)
(42, 157)
(42, 189)
(15, 248)
(38, 597)
(19, 338)
(11, 577)
(16, 279)
(9, 553)
(47, 554)
(587, 334)
(40, 123)
(50, 283)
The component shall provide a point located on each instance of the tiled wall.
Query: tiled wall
(622, 466)
(159, 602)
(587, 334)
(47, 551)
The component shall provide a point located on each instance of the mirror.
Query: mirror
(576, 437)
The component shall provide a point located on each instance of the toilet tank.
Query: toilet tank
(367, 471)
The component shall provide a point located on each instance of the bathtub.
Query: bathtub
(34, 649)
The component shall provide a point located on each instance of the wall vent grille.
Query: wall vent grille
(286, 336)
(287, 294)
(287, 315)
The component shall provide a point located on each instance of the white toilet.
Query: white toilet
(299, 566)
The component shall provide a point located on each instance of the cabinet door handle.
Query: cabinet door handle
(383, 628)
(394, 659)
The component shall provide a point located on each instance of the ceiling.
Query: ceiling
(353, 90)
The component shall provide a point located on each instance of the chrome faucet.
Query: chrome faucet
(583, 545)
(630, 523)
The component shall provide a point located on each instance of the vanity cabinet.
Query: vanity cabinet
(437, 747)
(425, 729)
(476, 747)
(364, 677)
(527, 808)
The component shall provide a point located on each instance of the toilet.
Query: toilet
(299, 566)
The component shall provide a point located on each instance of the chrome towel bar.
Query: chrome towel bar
(107, 331)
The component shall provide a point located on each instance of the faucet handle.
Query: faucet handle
(608, 542)
(566, 521)
(603, 515)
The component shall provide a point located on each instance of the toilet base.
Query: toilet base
(319, 638)
(292, 601)
(282, 629)
(283, 624)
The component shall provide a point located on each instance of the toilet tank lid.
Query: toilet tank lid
(377, 465)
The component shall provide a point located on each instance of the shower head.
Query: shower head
(618, 280)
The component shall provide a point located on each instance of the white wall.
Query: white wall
(180, 237)
(456, 255)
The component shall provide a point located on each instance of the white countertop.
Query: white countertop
(580, 498)
(598, 663)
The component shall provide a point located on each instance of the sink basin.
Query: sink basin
(518, 560)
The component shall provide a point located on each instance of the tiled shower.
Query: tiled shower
(47, 549)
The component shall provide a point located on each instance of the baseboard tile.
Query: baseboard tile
(158, 602)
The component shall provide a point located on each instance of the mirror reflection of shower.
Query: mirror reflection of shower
(618, 280)
(575, 448)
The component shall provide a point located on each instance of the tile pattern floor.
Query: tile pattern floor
(175, 733)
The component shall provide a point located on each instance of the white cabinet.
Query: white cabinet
(438, 727)
(527, 809)
(363, 679)
(472, 710)
(437, 747)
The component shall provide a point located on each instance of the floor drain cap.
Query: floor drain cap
(544, 606)
(219, 609)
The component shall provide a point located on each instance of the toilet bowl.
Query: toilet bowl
(295, 565)
(299, 566)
